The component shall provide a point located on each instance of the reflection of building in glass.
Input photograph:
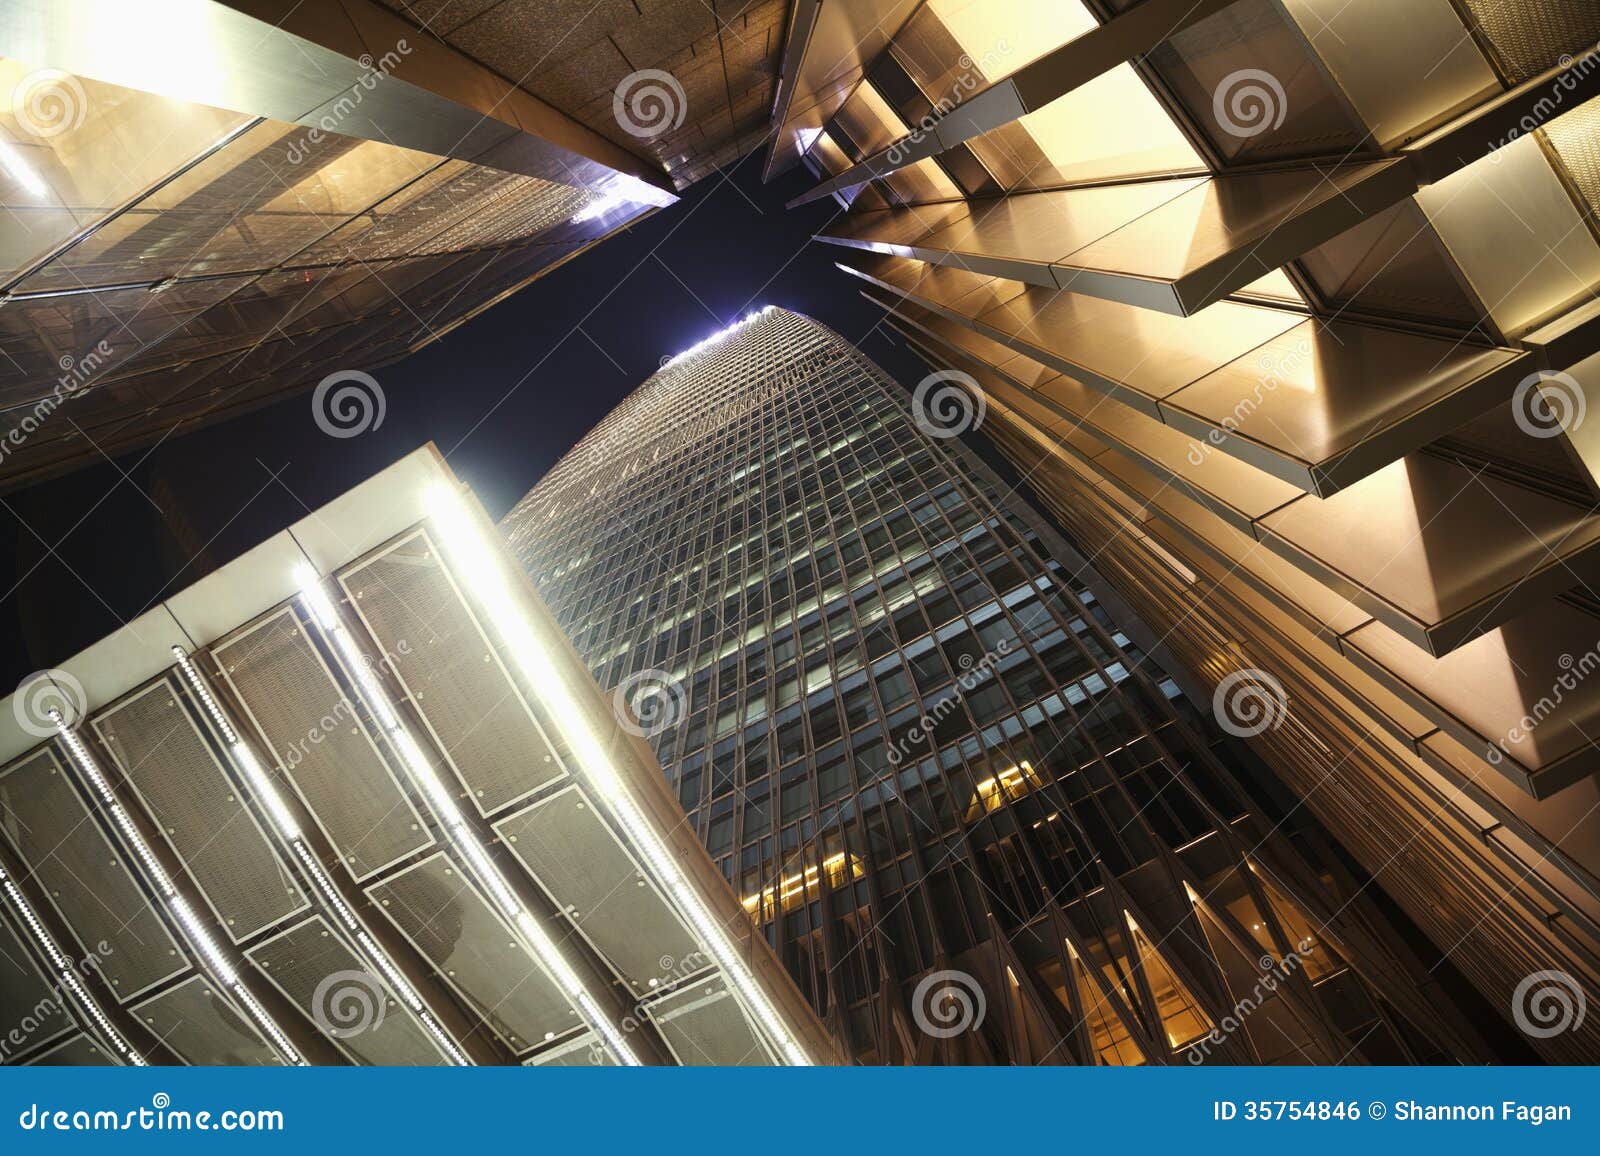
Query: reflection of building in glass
(350, 799)
(179, 244)
(926, 755)
(1287, 309)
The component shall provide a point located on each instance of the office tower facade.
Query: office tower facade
(1287, 309)
(211, 206)
(971, 814)
(350, 799)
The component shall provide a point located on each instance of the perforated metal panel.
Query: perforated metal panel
(31, 1011)
(580, 864)
(342, 997)
(1532, 35)
(78, 1052)
(703, 1023)
(198, 1023)
(459, 683)
(1576, 137)
(584, 1052)
(321, 746)
(436, 908)
(84, 877)
(198, 808)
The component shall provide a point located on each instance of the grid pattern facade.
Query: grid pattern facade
(898, 722)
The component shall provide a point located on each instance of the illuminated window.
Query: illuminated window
(1113, 1045)
(1011, 783)
(803, 886)
(1181, 1016)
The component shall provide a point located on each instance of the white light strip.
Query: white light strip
(461, 835)
(480, 567)
(199, 935)
(65, 973)
(707, 342)
(267, 794)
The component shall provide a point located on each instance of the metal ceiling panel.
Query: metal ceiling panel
(202, 1026)
(83, 875)
(328, 982)
(583, 867)
(27, 997)
(78, 1052)
(199, 810)
(435, 906)
(447, 664)
(323, 748)
(584, 1052)
(704, 1024)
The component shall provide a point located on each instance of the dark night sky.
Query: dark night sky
(85, 552)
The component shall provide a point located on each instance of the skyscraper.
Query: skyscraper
(1288, 309)
(950, 786)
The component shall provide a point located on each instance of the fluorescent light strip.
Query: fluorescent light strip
(199, 935)
(267, 794)
(480, 568)
(65, 973)
(544, 949)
